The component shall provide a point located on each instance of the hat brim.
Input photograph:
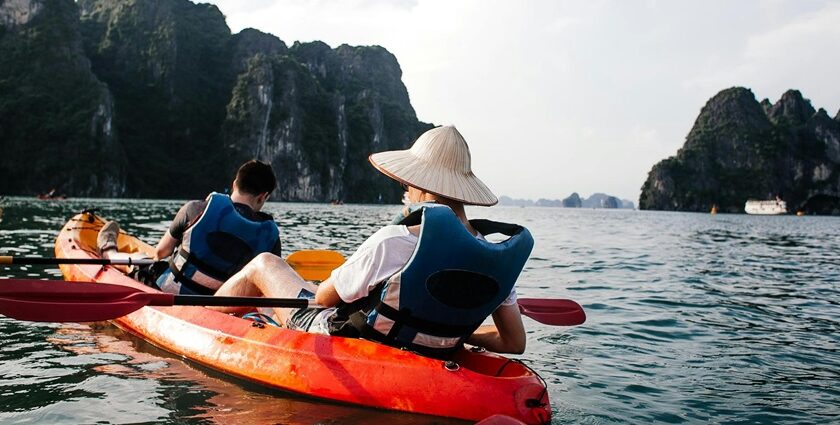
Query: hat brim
(407, 168)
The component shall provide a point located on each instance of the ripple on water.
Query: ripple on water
(690, 318)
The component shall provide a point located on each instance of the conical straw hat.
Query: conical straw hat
(438, 163)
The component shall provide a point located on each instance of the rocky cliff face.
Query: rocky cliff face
(316, 113)
(186, 101)
(56, 116)
(167, 64)
(18, 12)
(741, 149)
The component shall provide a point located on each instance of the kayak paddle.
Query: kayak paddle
(315, 264)
(62, 301)
(52, 260)
(552, 311)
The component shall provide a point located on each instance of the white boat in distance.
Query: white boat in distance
(775, 207)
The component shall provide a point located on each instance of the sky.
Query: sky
(556, 97)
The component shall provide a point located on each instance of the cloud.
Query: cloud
(563, 96)
(800, 54)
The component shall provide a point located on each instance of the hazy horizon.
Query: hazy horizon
(562, 97)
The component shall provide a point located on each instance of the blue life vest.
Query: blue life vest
(451, 284)
(219, 244)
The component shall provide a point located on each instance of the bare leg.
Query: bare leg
(113, 254)
(266, 275)
(106, 241)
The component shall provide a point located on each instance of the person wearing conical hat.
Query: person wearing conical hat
(426, 284)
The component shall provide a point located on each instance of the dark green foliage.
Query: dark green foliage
(740, 150)
(53, 110)
(187, 102)
(166, 63)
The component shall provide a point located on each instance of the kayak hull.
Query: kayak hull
(474, 386)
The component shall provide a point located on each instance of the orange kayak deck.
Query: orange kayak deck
(475, 385)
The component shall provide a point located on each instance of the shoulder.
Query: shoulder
(191, 210)
(389, 232)
(415, 230)
(186, 216)
(387, 240)
(194, 205)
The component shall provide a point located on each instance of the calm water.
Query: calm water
(691, 318)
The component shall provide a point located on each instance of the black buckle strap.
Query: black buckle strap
(202, 266)
(488, 227)
(405, 318)
(194, 286)
(178, 274)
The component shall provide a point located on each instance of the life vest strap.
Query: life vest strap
(404, 318)
(483, 226)
(489, 227)
(178, 273)
(205, 268)
(193, 286)
(357, 321)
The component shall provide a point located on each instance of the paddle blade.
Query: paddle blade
(61, 301)
(315, 264)
(557, 312)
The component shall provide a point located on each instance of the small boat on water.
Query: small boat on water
(51, 196)
(773, 207)
(44, 197)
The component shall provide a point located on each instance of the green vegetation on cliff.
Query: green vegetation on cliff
(53, 109)
(156, 98)
(739, 149)
(168, 68)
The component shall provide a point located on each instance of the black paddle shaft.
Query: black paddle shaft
(222, 301)
(52, 260)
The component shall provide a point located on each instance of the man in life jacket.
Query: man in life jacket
(210, 240)
(426, 284)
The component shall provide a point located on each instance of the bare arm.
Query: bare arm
(186, 215)
(505, 335)
(326, 295)
(166, 246)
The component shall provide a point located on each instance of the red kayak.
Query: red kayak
(474, 385)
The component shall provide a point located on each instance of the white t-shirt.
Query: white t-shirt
(381, 256)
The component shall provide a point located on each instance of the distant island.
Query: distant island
(741, 149)
(597, 200)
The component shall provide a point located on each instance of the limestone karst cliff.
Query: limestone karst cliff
(53, 108)
(156, 98)
(741, 149)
